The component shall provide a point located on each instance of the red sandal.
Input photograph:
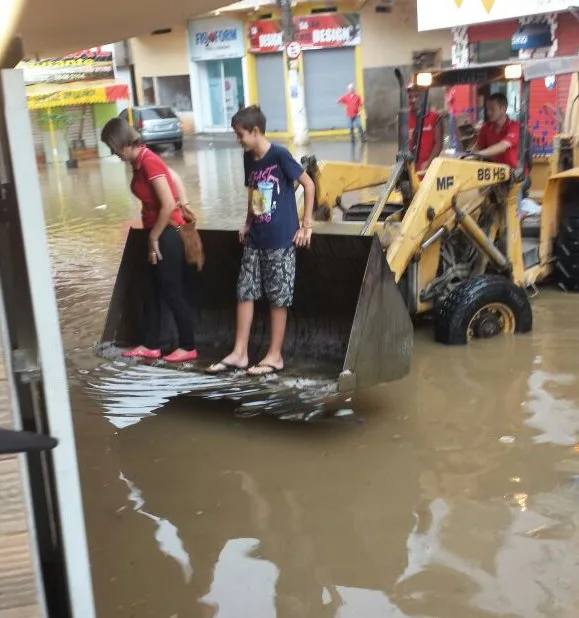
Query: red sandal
(181, 356)
(142, 352)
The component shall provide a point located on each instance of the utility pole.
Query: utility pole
(295, 79)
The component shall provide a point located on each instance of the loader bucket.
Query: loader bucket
(348, 322)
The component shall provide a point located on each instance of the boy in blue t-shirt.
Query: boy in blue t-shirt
(271, 230)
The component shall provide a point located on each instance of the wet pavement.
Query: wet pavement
(451, 493)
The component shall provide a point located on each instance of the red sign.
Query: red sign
(311, 32)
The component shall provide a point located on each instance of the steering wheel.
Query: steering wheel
(475, 157)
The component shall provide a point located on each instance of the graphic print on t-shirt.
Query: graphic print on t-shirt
(263, 204)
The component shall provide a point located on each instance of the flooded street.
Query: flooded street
(453, 493)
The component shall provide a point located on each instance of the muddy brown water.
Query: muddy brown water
(452, 493)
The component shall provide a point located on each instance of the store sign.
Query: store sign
(85, 65)
(211, 39)
(532, 36)
(66, 96)
(310, 32)
(436, 14)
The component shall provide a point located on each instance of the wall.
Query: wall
(388, 41)
(160, 55)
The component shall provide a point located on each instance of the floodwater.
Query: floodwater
(452, 493)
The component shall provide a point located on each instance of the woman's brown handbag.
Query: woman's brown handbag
(194, 253)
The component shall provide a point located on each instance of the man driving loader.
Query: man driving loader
(498, 138)
(431, 142)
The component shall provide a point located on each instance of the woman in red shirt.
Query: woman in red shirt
(154, 186)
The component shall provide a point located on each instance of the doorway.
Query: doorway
(225, 91)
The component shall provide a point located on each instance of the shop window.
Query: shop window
(491, 51)
(175, 92)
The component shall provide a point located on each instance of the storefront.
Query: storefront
(217, 67)
(329, 57)
(70, 99)
(497, 30)
(68, 118)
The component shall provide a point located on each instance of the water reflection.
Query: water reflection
(166, 535)
(242, 582)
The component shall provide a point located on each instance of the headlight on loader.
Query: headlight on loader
(513, 71)
(424, 80)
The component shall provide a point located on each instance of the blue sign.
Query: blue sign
(532, 36)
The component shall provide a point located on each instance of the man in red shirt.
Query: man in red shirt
(498, 138)
(431, 142)
(353, 103)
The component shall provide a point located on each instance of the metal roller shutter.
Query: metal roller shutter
(88, 133)
(75, 112)
(327, 73)
(271, 90)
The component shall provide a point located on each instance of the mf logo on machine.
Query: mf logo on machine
(488, 4)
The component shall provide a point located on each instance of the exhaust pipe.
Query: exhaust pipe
(402, 114)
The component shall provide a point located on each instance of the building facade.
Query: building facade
(236, 56)
(391, 40)
(499, 30)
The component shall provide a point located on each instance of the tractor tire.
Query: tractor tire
(483, 307)
(566, 272)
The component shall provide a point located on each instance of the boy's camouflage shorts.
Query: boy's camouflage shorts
(269, 271)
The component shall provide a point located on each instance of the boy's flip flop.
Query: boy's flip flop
(263, 369)
(222, 367)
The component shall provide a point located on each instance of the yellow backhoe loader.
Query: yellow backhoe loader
(448, 243)
(453, 238)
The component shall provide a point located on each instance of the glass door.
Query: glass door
(232, 87)
(215, 82)
(225, 80)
